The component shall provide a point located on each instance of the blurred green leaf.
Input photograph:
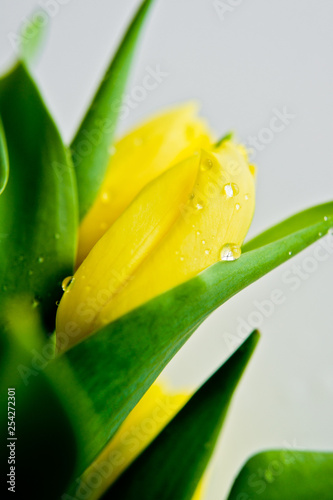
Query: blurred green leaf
(38, 209)
(33, 36)
(117, 364)
(91, 145)
(46, 444)
(4, 162)
(172, 466)
(285, 475)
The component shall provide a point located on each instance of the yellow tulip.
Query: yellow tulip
(138, 158)
(192, 215)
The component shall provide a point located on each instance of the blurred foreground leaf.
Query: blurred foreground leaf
(4, 161)
(285, 475)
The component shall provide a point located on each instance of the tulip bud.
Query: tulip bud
(137, 159)
(188, 218)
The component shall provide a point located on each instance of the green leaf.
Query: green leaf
(90, 147)
(285, 475)
(46, 443)
(33, 36)
(117, 364)
(38, 209)
(172, 466)
(4, 162)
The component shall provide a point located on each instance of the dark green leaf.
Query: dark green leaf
(285, 475)
(90, 147)
(45, 444)
(38, 209)
(117, 364)
(4, 162)
(172, 466)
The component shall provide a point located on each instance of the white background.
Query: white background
(241, 66)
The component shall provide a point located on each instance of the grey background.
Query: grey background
(260, 56)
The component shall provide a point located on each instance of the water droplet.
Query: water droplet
(320, 234)
(230, 251)
(246, 197)
(199, 206)
(207, 164)
(40, 260)
(203, 242)
(237, 206)
(290, 253)
(325, 218)
(67, 283)
(192, 195)
(105, 197)
(198, 233)
(181, 258)
(231, 189)
(57, 236)
(207, 252)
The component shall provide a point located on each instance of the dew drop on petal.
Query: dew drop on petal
(207, 252)
(181, 258)
(199, 206)
(198, 233)
(67, 283)
(237, 206)
(290, 253)
(207, 164)
(203, 242)
(230, 251)
(246, 197)
(231, 189)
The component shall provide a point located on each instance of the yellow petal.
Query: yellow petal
(140, 157)
(219, 212)
(116, 257)
(154, 411)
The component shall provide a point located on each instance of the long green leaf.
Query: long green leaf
(38, 209)
(285, 475)
(91, 145)
(4, 161)
(117, 364)
(172, 466)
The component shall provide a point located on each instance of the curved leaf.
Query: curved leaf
(38, 209)
(117, 364)
(91, 144)
(4, 161)
(285, 475)
(172, 466)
